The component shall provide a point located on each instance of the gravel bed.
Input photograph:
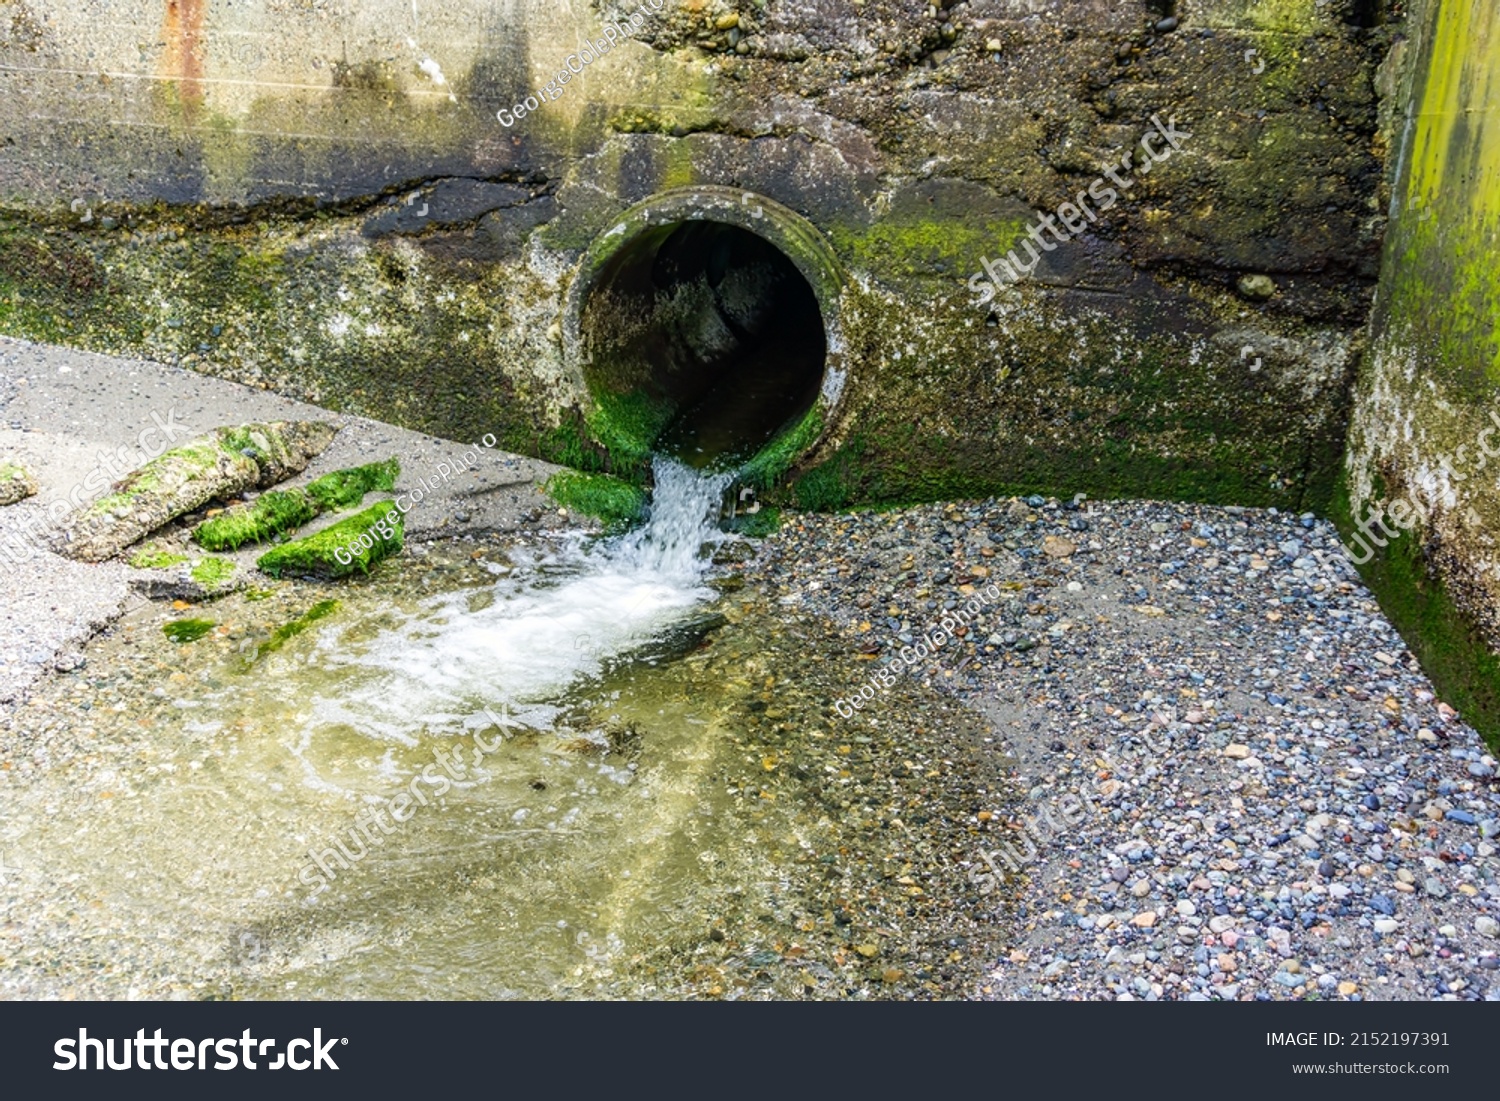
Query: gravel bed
(1240, 784)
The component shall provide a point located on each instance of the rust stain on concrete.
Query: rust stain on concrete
(182, 30)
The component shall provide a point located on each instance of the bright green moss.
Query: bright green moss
(187, 630)
(213, 572)
(569, 445)
(347, 488)
(153, 557)
(756, 525)
(350, 546)
(770, 465)
(610, 499)
(1448, 643)
(267, 516)
(280, 511)
(627, 425)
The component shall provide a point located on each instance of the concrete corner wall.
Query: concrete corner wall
(1422, 500)
(317, 196)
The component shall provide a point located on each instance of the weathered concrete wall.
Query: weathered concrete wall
(317, 195)
(1425, 435)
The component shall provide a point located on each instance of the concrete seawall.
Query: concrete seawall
(321, 199)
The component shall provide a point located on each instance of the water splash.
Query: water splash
(557, 619)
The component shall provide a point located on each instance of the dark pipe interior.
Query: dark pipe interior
(718, 328)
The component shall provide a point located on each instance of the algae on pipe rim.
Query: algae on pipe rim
(784, 229)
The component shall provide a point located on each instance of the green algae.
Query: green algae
(926, 246)
(344, 489)
(627, 425)
(187, 630)
(399, 344)
(613, 500)
(755, 525)
(288, 631)
(279, 511)
(156, 558)
(212, 572)
(771, 464)
(354, 545)
(1446, 639)
(269, 515)
(1435, 360)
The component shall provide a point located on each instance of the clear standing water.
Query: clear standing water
(487, 773)
(258, 821)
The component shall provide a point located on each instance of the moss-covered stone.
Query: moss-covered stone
(1425, 410)
(755, 525)
(279, 511)
(413, 337)
(215, 466)
(15, 484)
(350, 546)
(213, 572)
(175, 483)
(278, 450)
(607, 498)
(167, 575)
(1048, 395)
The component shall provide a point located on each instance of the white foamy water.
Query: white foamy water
(553, 621)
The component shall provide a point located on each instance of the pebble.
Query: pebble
(1252, 738)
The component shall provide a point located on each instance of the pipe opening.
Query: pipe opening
(705, 339)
